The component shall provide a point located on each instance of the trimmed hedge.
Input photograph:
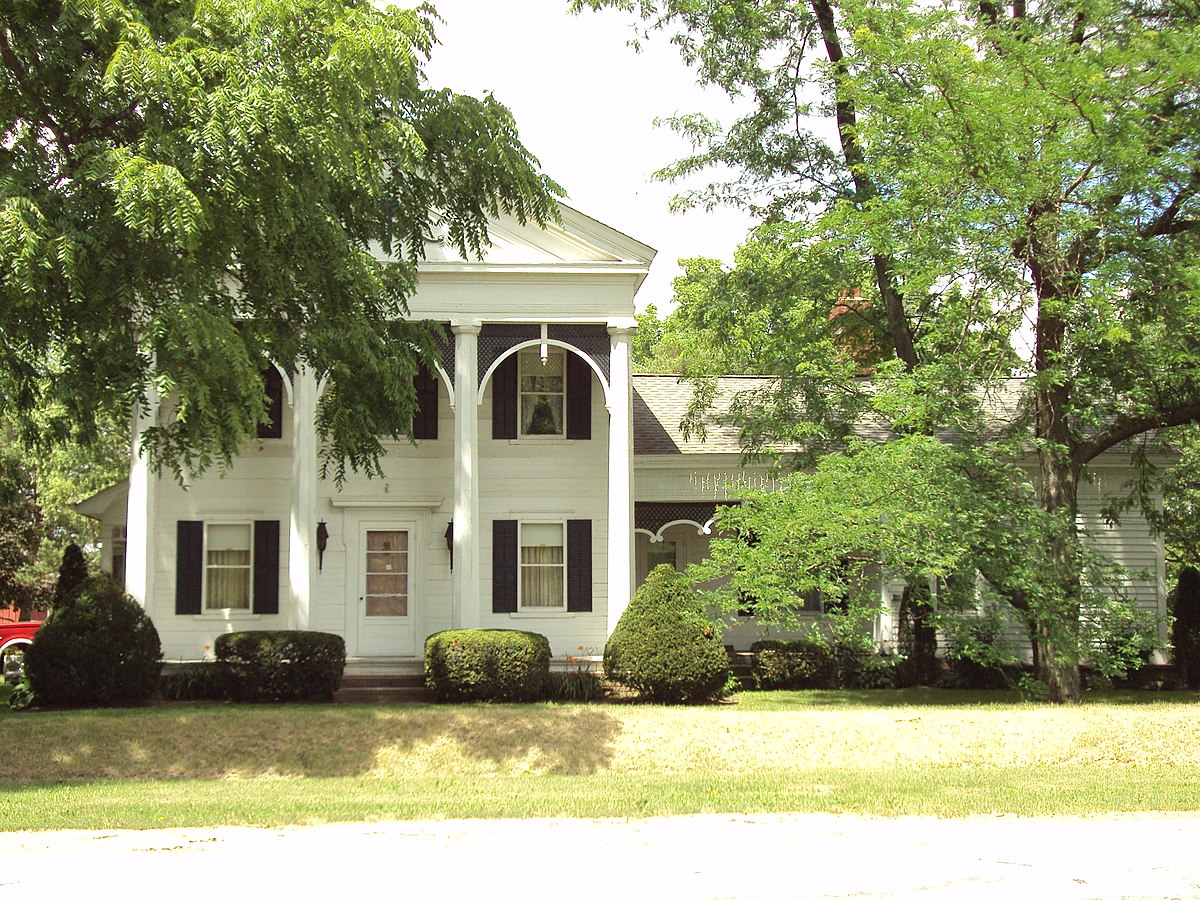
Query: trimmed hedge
(101, 649)
(278, 666)
(496, 664)
(665, 647)
(793, 665)
(814, 664)
(194, 681)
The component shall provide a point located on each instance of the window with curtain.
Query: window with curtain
(543, 565)
(227, 566)
(542, 392)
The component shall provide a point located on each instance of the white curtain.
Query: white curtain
(542, 565)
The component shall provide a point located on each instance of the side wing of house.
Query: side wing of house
(681, 480)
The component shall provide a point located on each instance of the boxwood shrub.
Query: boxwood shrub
(665, 647)
(99, 650)
(497, 664)
(278, 666)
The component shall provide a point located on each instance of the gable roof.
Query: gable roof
(660, 403)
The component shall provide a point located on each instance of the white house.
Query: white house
(544, 481)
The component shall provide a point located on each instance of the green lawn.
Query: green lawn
(884, 753)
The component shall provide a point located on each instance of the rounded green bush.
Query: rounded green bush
(665, 646)
(494, 664)
(100, 650)
(278, 666)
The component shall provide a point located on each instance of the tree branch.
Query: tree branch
(1124, 429)
(41, 114)
(1166, 223)
(852, 151)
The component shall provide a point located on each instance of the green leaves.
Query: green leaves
(171, 169)
(967, 207)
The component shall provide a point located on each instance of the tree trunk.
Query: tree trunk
(1057, 633)
(1060, 675)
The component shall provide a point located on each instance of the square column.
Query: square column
(302, 560)
(620, 474)
(466, 612)
(139, 514)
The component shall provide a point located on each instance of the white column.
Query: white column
(466, 611)
(620, 474)
(302, 559)
(139, 516)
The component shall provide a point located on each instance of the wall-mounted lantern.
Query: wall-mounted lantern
(450, 543)
(322, 543)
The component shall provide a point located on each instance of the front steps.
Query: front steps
(384, 680)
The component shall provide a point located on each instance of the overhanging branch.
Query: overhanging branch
(1124, 429)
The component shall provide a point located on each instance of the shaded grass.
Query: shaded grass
(1028, 792)
(878, 752)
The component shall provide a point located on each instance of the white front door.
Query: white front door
(387, 576)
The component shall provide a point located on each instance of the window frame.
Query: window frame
(409, 532)
(248, 609)
(533, 352)
(651, 546)
(562, 608)
(118, 550)
(276, 398)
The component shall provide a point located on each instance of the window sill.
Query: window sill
(228, 615)
(543, 614)
(542, 439)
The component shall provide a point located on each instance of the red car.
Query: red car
(14, 638)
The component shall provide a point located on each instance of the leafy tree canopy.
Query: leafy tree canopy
(954, 195)
(192, 190)
(37, 489)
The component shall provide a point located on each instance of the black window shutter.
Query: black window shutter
(504, 400)
(504, 565)
(273, 382)
(579, 565)
(579, 398)
(266, 567)
(425, 418)
(189, 567)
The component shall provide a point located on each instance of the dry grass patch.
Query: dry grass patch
(206, 764)
(214, 741)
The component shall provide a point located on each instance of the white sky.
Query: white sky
(585, 104)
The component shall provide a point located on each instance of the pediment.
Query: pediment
(577, 239)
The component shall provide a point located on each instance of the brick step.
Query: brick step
(402, 680)
(383, 694)
(393, 687)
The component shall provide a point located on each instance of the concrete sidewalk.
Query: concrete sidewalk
(742, 856)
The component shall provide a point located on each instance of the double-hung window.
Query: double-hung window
(227, 566)
(543, 565)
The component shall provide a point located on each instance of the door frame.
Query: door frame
(357, 526)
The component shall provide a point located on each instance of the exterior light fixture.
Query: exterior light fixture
(450, 542)
(322, 543)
